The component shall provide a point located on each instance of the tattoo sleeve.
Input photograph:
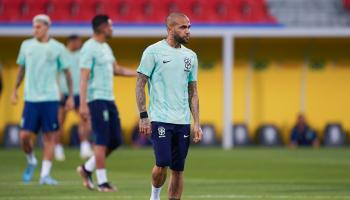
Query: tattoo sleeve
(193, 100)
(140, 92)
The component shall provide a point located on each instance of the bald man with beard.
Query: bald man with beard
(171, 72)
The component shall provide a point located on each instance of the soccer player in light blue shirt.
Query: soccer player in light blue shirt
(171, 72)
(73, 46)
(40, 59)
(98, 65)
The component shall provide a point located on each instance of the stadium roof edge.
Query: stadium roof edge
(198, 30)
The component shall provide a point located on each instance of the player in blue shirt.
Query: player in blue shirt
(98, 65)
(40, 60)
(171, 72)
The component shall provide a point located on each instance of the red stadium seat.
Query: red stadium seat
(254, 11)
(121, 10)
(11, 10)
(137, 11)
(60, 10)
(33, 7)
(224, 11)
(197, 10)
(88, 9)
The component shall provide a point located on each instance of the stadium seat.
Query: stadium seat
(209, 135)
(219, 11)
(61, 10)
(240, 135)
(347, 4)
(268, 135)
(251, 11)
(334, 135)
(121, 10)
(11, 10)
(196, 10)
(88, 9)
(32, 8)
(11, 136)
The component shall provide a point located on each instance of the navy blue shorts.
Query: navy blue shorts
(76, 101)
(40, 116)
(105, 123)
(170, 144)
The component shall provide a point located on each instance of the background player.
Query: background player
(40, 60)
(73, 53)
(171, 71)
(98, 65)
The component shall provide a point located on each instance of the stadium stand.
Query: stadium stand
(11, 136)
(269, 135)
(334, 135)
(209, 135)
(241, 135)
(310, 13)
(138, 11)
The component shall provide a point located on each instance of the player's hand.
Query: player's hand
(69, 103)
(84, 112)
(14, 97)
(145, 126)
(197, 133)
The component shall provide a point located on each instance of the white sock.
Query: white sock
(90, 164)
(84, 144)
(155, 195)
(45, 168)
(101, 175)
(31, 159)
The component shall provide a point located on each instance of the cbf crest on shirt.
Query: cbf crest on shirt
(169, 70)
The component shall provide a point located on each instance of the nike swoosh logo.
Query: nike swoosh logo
(186, 136)
(166, 61)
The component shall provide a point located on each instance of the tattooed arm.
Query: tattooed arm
(194, 106)
(144, 124)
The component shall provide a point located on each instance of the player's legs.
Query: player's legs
(180, 144)
(49, 146)
(84, 128)
(59, 151)
(26, 141)
(161, 139)
(159, 176)
(50, 127)
(84, 133)
(100, 122)
(175, 185)
(29, 125)
(27, 146)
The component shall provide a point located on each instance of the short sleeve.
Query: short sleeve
(147, 63)
(62, 60)
(21, 55)
(193, 74)
(86, 58)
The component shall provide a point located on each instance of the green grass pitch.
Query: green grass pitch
(211, 173)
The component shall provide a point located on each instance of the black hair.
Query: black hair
(99, 20)
(72, 37)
